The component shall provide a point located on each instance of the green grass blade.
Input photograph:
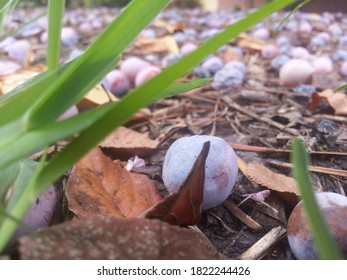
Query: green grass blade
(341, 88)
(8, 176)
(55, 17)
(147, 93)
(26, 143)
(18, 222)
(25, 194)
(298, 7)
(14, 104)
(9, 134)
(4, 4)
(26, 170)
(6, 9)
(23, 143)
(70, 82)
(88, 69)
(21, 26)
(180, 88)
(325, 244)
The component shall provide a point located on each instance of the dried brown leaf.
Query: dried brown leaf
(125, 153)
(165, 44)
(125, 143)
(285, 186)
(184, 206)
(338, 101)
(97, 185)
(243, 167)
(102, 238)
(9, 82)
(170, 27)
(124, 137)
(246, 42)
(275, 181)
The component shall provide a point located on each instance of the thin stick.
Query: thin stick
(263, 245)
(317, 169)
(258, 149)
(237, 107)
(214, 124)
(238, 213)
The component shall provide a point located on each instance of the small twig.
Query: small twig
(275, 91)
(233, 126)
(169, 135)
(332, 117)
(257, 149)
(318, 169)
(238, 213)
(263, 245)
(214, 124)
(281, 127)
(224, 224)
(255, 136)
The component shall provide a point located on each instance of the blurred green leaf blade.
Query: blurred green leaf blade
(55, 18)
(325, 244)
(100, 58)
(148, 92)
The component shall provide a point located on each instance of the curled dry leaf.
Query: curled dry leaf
(110, 238)
(338, 101)
(184, 206)
(97, 185)
(285, 186)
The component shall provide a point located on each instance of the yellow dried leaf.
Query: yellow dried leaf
(95, 98)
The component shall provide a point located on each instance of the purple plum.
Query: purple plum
(221, 167)
(117, 83)
(295, 72)
(132, 66)
(146, 74)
